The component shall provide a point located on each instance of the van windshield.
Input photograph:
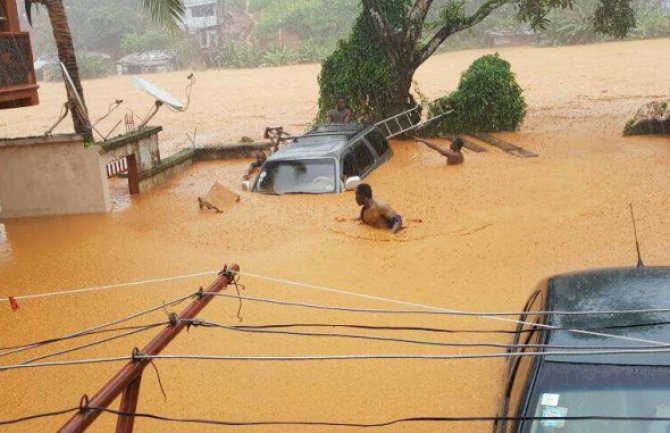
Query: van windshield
(307, 176)
(576, 390)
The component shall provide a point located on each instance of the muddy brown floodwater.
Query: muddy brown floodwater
(480, 237)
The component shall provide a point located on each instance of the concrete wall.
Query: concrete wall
(51, 176)
(143, 143)
(166, 169)
(230, 151)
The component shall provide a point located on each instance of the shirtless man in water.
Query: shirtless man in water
(454, 154)
(376, 213)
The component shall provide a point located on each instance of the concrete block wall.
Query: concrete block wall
(53, 175)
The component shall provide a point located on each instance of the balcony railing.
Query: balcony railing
(18, 87)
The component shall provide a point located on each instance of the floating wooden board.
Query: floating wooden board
(218, 198)
(508, 147)
(468, 144)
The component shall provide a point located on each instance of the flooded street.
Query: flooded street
(479, 238)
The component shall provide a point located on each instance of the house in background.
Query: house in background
(204, 19)
(18, 87)
(147, 62)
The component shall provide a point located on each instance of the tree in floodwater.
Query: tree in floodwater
(165, 12)
(375, 67)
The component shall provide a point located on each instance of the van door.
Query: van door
(379, 143)
(364, 158)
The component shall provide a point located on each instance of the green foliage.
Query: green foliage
(571, 26)
(629, 128)
(360, 71)
(95, 25)
(239, 56)
(614, 17)
(167, 13)
(317, 21)
(488, 99)
(150, 40)
(652, 22)
(93, 66)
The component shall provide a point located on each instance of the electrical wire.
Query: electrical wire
(109, 286)
(354, 357)
(441, 419)
(95, 343)
(207, 324)
(405, 356)
(56, 340)
(440, 330)
(96, 328)
(371, 425)
(38, 416)
(439, 311)
(447, 310)
(67, 363)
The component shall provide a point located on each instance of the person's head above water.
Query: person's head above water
(457, 144)
(341, 103)
(363, 194)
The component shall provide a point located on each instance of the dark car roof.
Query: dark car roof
(611, 290)
(326, 141)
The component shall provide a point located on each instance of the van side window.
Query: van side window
(378, 142)
(349, 167)
(364, 157)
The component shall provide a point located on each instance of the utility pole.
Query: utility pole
(127, 380)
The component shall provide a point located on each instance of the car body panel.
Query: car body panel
(612, 289)
(597, 290)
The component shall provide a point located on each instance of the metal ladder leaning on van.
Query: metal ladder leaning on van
(406, 121)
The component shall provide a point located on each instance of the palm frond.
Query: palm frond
(168, 13)
(28, 4)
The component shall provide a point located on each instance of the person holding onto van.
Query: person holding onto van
(454, 154)
(256, 165)
(376, 213)
(341, 114)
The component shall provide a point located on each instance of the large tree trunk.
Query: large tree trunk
(66, 54)
(401, 99)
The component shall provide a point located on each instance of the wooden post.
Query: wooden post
(125, 424)
(127, 380)
(133, 174)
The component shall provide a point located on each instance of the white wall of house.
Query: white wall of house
(200, 15)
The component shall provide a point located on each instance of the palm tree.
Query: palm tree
(166, 12)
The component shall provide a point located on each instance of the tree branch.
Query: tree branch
(449, 29)
(384, 28)
(417, 17)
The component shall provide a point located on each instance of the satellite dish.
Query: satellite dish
(158, 93)
(72, 90)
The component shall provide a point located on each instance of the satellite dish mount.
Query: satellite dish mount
(162, 98)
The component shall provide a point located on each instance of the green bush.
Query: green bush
(239, 56)
(488, 99)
